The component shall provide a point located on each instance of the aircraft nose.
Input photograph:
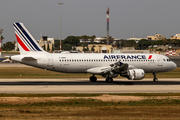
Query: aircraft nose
(174, 65)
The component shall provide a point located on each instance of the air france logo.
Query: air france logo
(126, 57)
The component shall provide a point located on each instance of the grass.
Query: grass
(95, 103)
(40, 73)
(10, 52)
(93, 109)
(80, 108)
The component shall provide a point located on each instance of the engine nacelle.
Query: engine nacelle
(134, 74)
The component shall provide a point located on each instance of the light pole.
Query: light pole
(1, 30)
(60, 24)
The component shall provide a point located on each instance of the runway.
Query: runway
(168, 85)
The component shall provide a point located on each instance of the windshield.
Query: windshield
(168, 60)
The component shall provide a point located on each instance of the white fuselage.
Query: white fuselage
(81, 62)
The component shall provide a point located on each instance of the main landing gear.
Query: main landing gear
(155, 79)
(109, 80)
(93, 78)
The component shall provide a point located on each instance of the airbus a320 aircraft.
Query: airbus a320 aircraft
(131, 66)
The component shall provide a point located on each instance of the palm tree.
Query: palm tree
(100, 48)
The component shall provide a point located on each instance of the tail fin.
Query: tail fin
(26, 41)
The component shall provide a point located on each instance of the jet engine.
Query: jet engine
(134, 74)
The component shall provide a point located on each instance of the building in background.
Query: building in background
(177, 36)
(156, 37)
(97, 48)
(136, 39)
(44, 42)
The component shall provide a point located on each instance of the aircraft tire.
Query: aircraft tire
(109, 80)
(93, 79)
(155, 80)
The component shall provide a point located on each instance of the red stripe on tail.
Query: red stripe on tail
(22, 44)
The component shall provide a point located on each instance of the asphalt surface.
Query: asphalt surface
(84, 86)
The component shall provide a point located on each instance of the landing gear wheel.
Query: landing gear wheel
(109, 80)
(155, 80)
(93, 79)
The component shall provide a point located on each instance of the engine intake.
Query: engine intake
(134, 74)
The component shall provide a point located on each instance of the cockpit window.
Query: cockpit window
(168, 60)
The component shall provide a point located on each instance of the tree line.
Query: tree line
(71, 42)
(145, 44)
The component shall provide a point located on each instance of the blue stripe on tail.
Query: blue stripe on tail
(24, 38)
(29, 38)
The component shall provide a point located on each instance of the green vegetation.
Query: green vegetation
(68, 44)
(8, 46)
(95, 103)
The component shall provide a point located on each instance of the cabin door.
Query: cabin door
(50, 60)
(160, 62)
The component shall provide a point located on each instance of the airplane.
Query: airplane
(109, 65)
(2, 58)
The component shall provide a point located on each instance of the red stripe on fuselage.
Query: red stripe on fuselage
(150, 57)
(22, 44)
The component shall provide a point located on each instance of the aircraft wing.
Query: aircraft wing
(116, 68)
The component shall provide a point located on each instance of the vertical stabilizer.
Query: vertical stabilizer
(26, 41)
